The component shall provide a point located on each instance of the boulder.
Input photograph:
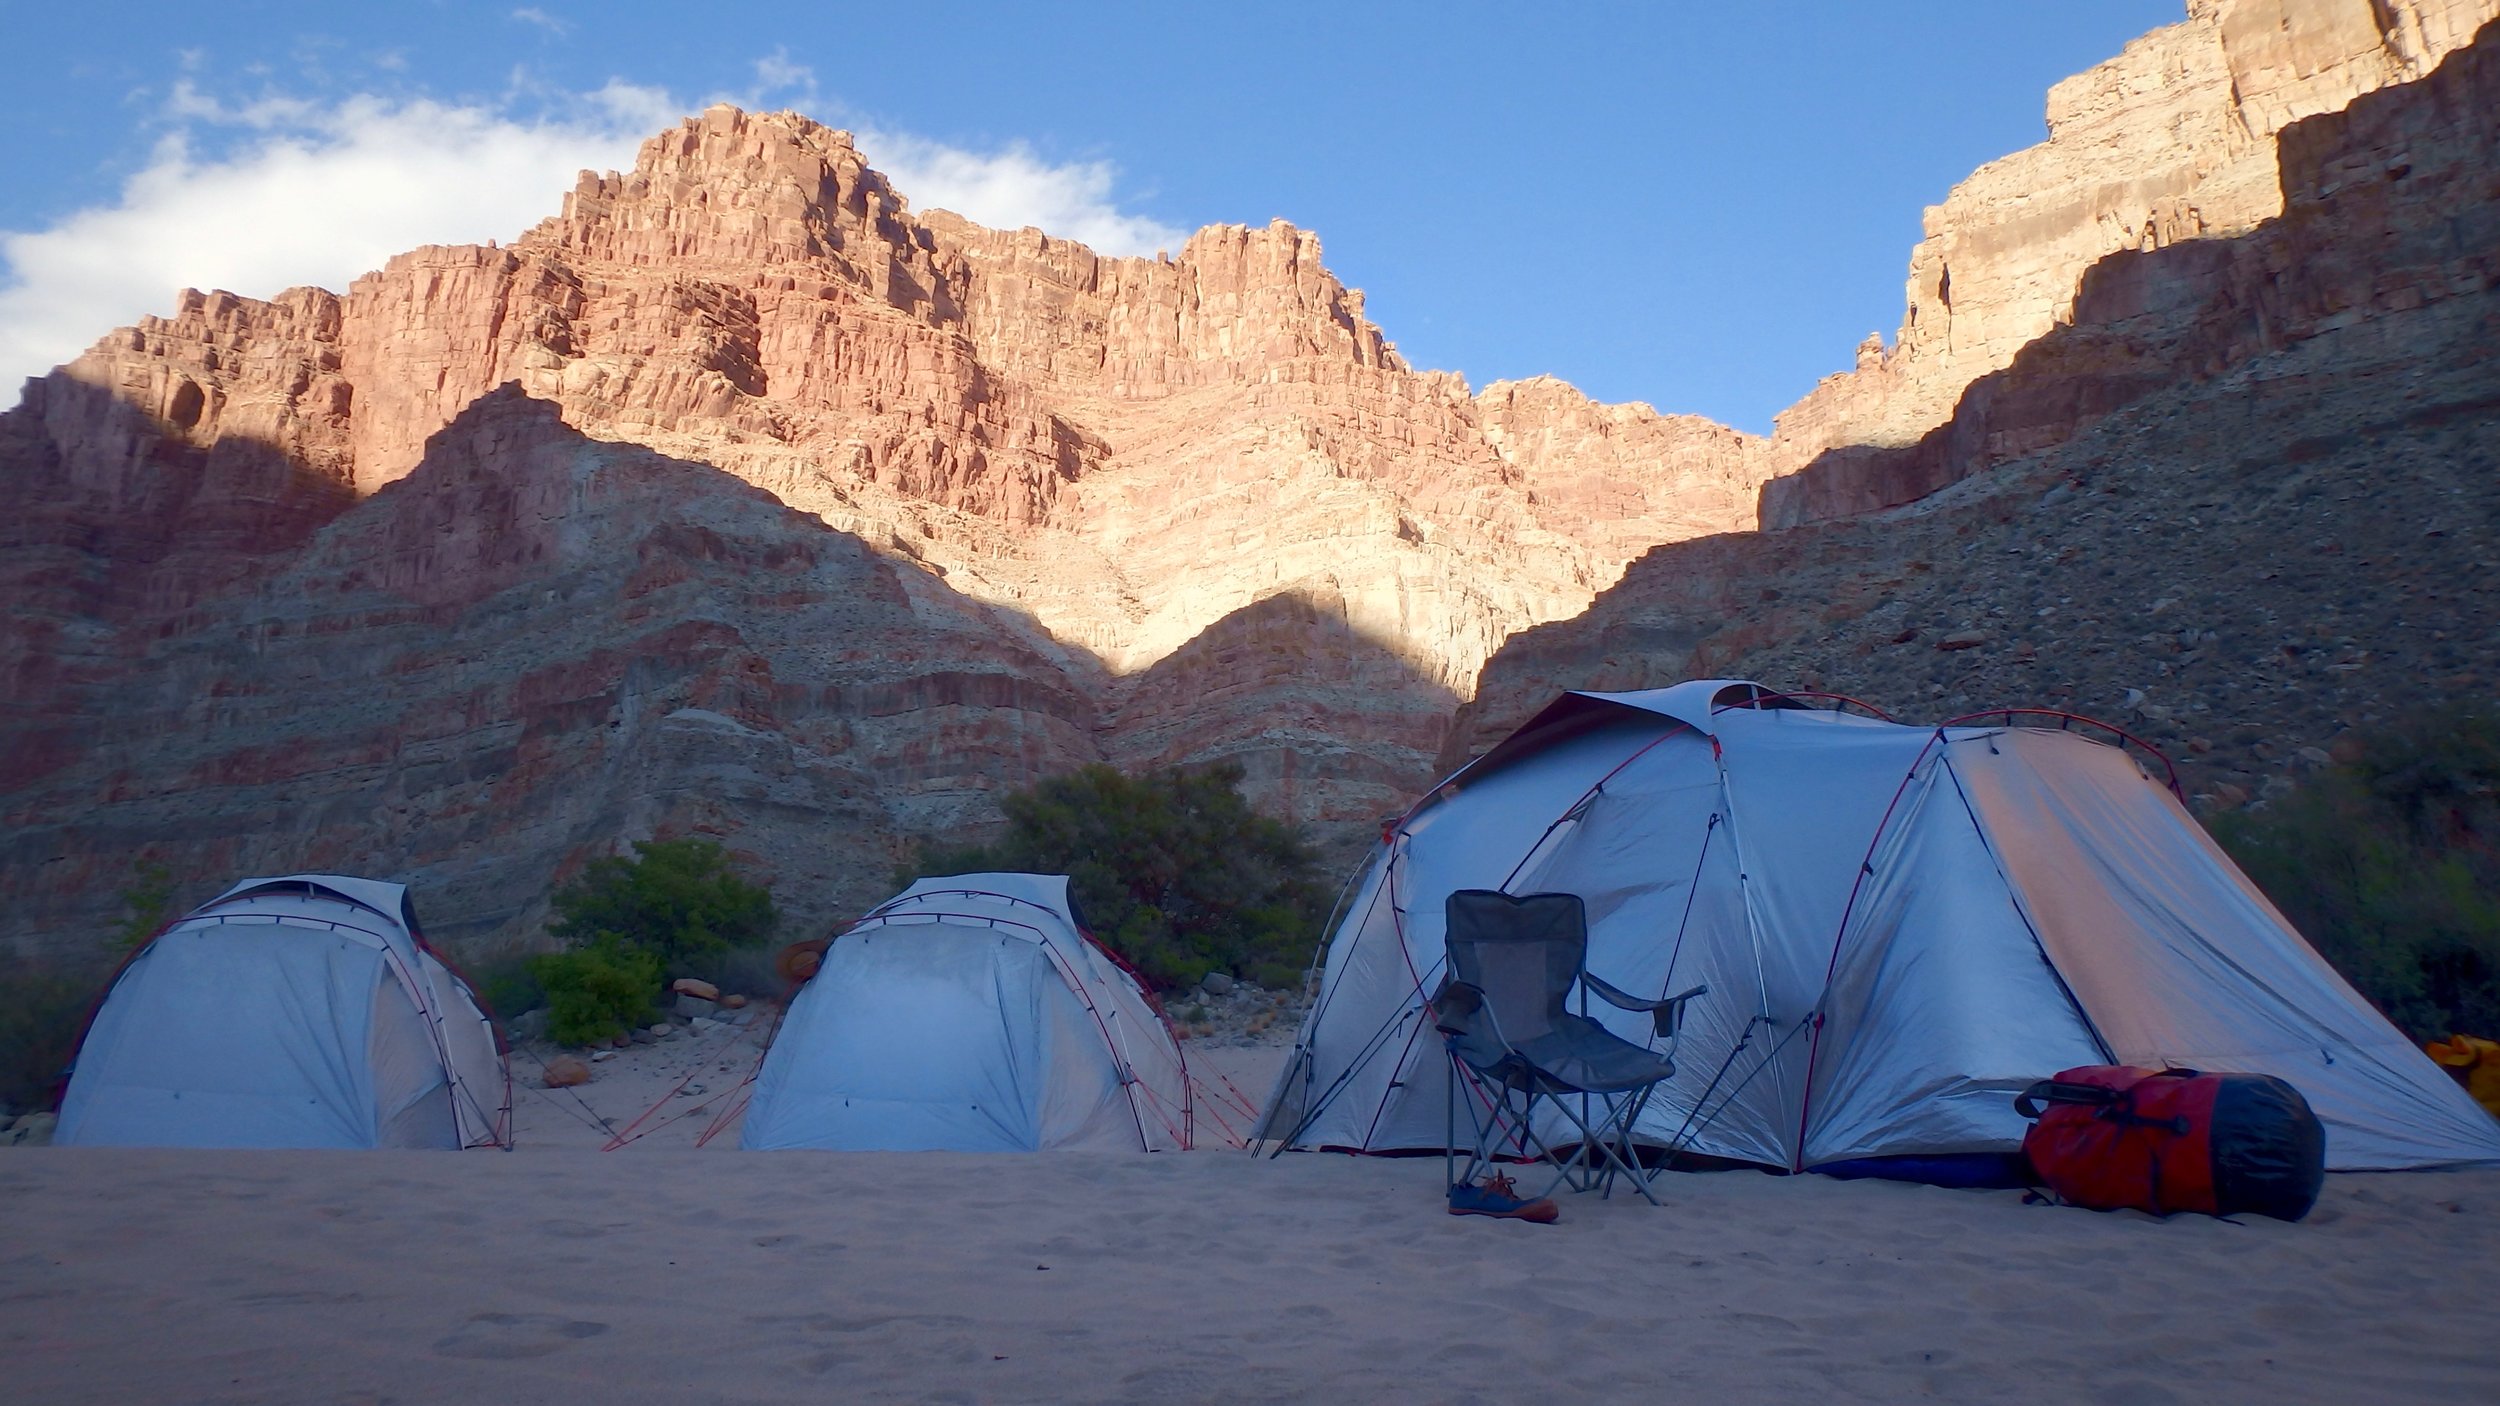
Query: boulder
(732, 1001)
(693, 1007)
(688, 986)
(528, 1025)
(564, 1071)
(1217, 983)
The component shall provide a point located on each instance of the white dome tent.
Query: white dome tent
(971, 1014)
(294, 1012)
(1900, 927)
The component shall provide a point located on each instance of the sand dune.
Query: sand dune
(665, 1274)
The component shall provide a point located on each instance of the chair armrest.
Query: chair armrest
(1665, 1013)
(1465, 1019)
(1454, 1008)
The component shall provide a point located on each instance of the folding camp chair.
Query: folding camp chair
(1513, 963)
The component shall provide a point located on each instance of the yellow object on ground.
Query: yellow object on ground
(2476, 1063)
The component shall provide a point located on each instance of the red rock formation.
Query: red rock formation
(531, 644)
(297, 586)
(1153, 509)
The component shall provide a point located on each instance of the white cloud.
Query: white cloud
(775, 73)
(545, 21)
(307, 193)
(1013, 188)
(311, 195)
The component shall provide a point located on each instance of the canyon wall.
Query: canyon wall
(741, 499)
(392, 580)
(2280, 532)
(2175, 142)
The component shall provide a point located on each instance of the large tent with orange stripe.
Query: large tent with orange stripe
(1901, 927)
(971, 1014)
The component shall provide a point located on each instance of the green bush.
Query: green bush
(1172, 870)
(747, 971)
(147, 906)
(675, 898)
(43, 1004)
(597, 991)
(505, 982)
(2390, 865)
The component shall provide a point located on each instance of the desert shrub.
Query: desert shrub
(506, 983)
(43, 1004)
(598, 990)
(745, 970)
(147, 905)
(678, 899)
(1173, 870)
(2390, 865)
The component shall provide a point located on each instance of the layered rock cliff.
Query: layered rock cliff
(740, 498)
(1150, 510)
(2175, 143)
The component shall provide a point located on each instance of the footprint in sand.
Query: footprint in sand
(501, 1336)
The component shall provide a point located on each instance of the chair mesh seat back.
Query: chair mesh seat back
(1522, 953)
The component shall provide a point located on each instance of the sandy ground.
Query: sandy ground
(662, 1273)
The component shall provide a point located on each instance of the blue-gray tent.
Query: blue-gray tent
(303, 1011)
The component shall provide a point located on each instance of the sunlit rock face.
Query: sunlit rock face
(303, 587)
(2175, 141)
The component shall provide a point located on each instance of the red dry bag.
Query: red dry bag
(2161, 1140)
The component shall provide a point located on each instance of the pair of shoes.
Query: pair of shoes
(1499, 1196)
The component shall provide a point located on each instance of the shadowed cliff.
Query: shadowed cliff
(2281, 522)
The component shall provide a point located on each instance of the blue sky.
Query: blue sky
(1699, 206)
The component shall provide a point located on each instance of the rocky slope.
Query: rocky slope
(2175, 144)
(2284, 527)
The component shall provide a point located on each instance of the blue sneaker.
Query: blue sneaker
(1498, 1196)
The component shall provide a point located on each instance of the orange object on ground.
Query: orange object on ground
(797, 963)
(2475, 1062)
(2113, 1137)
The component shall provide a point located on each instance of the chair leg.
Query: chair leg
(1604, 1150)
(1621, 1156)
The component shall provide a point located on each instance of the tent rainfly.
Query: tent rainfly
(971, 1014)
(304, 1011)
(1901, 927)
